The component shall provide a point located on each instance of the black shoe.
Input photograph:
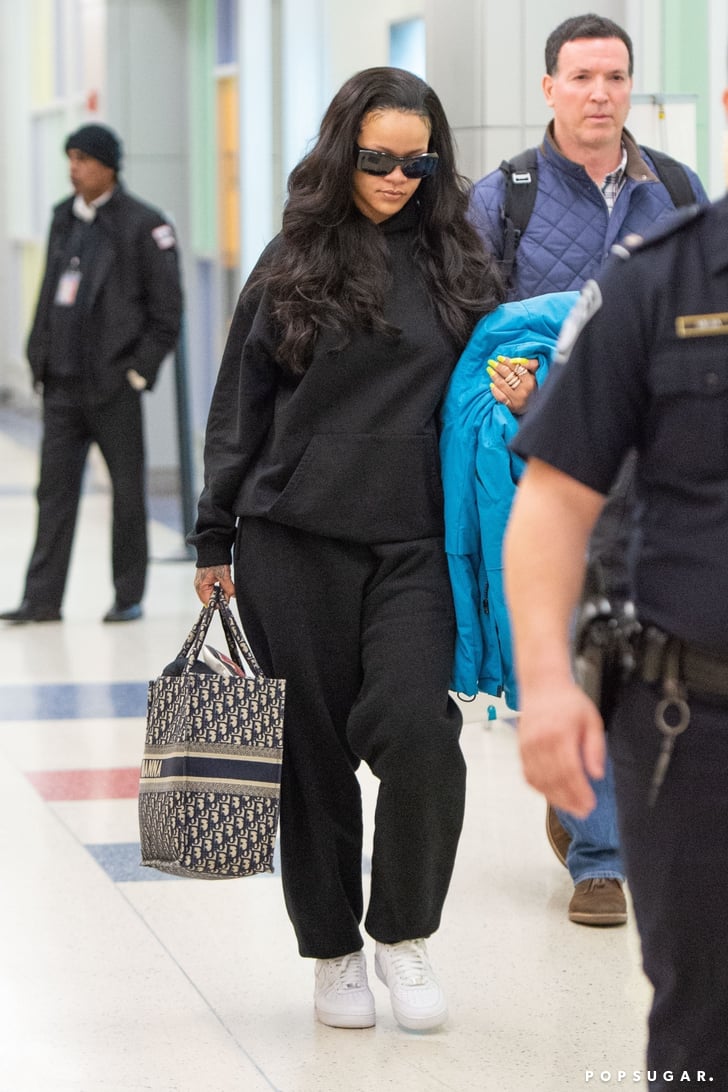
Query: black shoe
(123, 614)
(26, 612)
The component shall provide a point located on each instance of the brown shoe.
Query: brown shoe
(598, 902)
(559, 838)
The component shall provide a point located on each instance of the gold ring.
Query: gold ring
(520, 370)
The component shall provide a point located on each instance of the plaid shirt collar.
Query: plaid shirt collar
(614, 181)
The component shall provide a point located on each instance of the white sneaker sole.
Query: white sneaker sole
(347, 1020)
(408, 1019)
(420, 1023)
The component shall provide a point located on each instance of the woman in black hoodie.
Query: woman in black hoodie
(322, 479)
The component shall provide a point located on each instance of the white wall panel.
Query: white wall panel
(499, 144)
(358, 34)
(469, 152)
(641, 20)
(485, 59)
(146, 100)
(506, 73)
(455, 59)
(717, 179)
(304, 45)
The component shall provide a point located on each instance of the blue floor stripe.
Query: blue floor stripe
(70, 701)
(121, 862)
(12, 490)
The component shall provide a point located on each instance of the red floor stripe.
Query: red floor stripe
(121, 784)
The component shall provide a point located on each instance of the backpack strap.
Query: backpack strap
(673, 177)
(521, 184)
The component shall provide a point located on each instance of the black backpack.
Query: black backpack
(521, 178)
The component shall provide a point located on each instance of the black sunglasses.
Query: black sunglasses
(382, 163)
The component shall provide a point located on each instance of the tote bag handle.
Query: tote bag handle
(239, 649)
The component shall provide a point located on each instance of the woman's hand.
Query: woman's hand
(513, 381)
(206, 579)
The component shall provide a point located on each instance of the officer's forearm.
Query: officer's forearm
(544, 554)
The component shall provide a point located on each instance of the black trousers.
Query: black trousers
(364, 636)
(677, 866)
(69, 427)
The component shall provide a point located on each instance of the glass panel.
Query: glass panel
(407, 46)
(227, 32)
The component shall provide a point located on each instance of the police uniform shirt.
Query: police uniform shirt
(646, 366)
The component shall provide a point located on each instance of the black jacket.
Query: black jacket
(133, 301)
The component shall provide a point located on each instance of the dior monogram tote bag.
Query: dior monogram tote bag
(210, 778)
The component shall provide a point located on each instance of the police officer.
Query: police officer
(648, 369)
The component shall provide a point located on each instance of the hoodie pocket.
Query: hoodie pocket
(365, 488)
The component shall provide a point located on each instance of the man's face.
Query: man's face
(589, 94)
(89, 176)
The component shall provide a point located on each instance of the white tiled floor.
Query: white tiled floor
(111, 979)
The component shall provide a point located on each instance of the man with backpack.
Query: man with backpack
(551, 216)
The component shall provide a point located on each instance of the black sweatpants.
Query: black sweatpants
(69, 427)
(364, 637)
(676, 858)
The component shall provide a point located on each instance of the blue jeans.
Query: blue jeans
(594, 850)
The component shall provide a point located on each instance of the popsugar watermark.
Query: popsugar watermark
(597, 1077)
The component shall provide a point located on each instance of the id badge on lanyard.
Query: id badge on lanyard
(68, 285)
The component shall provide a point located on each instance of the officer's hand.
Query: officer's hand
(513, 381)
(135, 380)
(561, 740)
(206, 579)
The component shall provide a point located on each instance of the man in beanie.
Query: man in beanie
(108, 314)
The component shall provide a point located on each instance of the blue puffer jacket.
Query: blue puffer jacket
(479, 477)
(571, 231)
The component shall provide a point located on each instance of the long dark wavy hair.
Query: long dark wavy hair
(332, 273)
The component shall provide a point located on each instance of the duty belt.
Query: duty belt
(611, 648)
(700, 671)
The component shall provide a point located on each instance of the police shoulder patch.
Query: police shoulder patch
(588, 303)
(163, 236)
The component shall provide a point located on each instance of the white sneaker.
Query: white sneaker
(342, 997)
(417, 999)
